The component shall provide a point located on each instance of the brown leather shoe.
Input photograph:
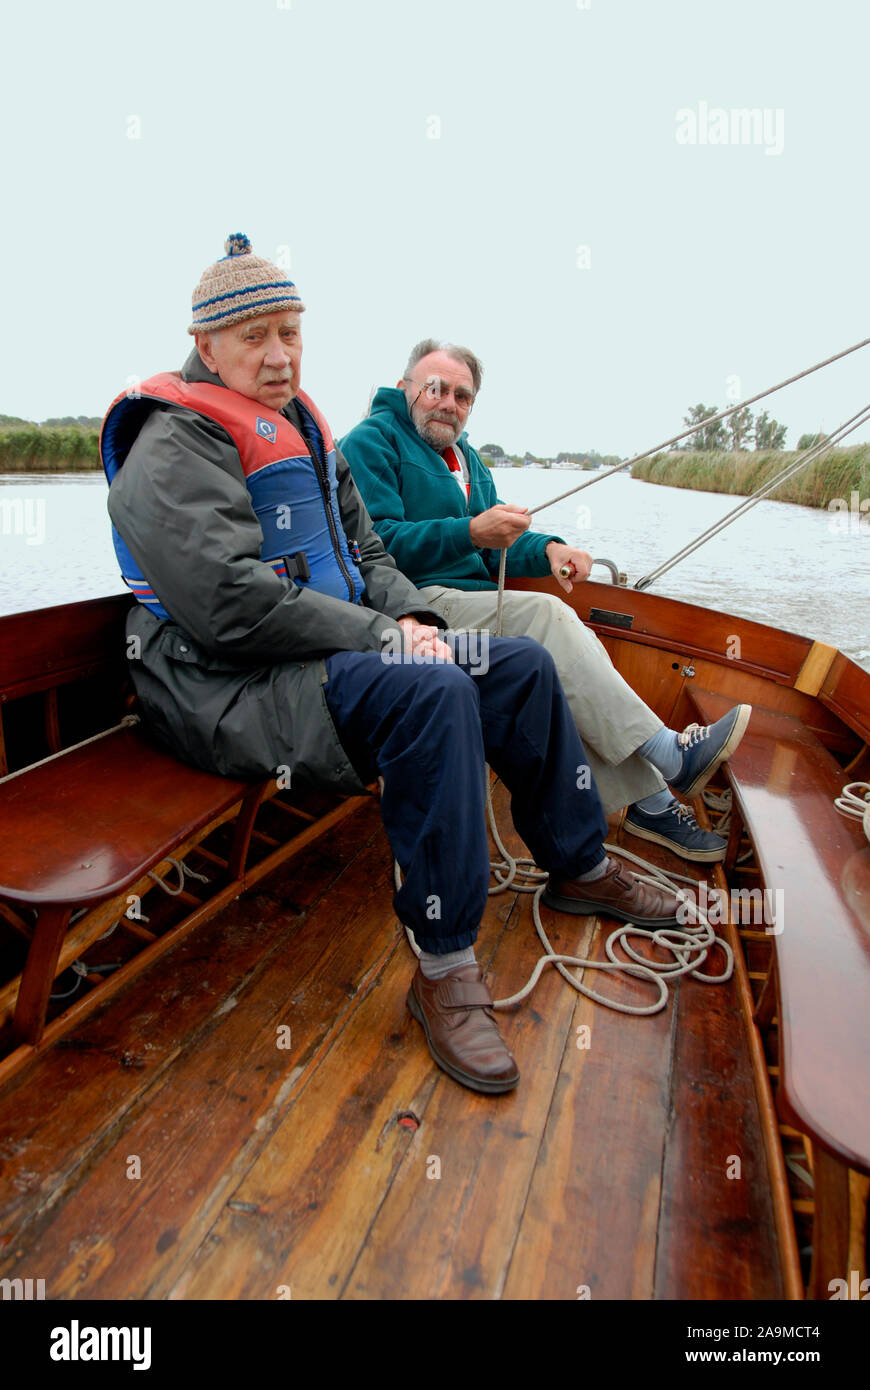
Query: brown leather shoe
(619, 893)
(460, 1027)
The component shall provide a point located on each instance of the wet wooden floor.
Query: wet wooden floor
(257, 1116)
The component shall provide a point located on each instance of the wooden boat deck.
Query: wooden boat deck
(309, 1171)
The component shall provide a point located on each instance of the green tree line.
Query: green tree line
(739, 431)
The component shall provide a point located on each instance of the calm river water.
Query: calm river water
(794, 567)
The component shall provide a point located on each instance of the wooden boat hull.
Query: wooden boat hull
(640, 1157)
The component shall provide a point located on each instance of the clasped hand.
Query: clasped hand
(422, 640)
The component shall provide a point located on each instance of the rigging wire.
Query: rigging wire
(808, 456)
(693, 429)
(796, 464)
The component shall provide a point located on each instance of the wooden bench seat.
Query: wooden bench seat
(783, 785)
(82, 828)
(87, 826)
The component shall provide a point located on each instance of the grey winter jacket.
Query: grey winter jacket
(235, 684)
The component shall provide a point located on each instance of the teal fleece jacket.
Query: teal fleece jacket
(417, 509)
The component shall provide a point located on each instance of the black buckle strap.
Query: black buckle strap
(297, 566)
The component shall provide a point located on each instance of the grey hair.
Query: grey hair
(459, 354)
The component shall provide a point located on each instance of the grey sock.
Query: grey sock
(656, 803)
(592, 874)
(436, 967)
(663, 751)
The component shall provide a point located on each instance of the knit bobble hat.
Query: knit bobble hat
(241, 286)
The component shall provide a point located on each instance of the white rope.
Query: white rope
(854, 802)
(684, 943)
(502, 564)
(127, 722)
(81, 972)
(78, 967)
(720, 805)
(680, 942)
(183, 871)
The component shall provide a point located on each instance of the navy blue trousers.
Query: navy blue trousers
(428, 729)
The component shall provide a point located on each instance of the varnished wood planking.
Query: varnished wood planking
(590, 1219)
(328, 1167)
(656, 675)
(599, 1183)
(762, 669)
(375, 1207)
(452, 1237)
(203, 1125)
(737, 686)
(331, 1171)
(784, 784)
(846, 691)
(301, 1215)
(53, 645)
(55, 1119)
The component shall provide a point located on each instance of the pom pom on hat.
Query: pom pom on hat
(241, 286)
(237, 244)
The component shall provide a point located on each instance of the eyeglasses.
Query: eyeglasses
(437, 388)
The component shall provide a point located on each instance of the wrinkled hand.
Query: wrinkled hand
(499, 527)
(559, 555)
(422, 640)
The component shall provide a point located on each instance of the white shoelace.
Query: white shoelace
(692, 734)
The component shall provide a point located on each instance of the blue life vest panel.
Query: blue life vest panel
(290, 476)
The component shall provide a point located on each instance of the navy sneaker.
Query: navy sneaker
(677, 829)
(705, 747)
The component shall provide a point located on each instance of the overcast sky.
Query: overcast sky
(560, 186)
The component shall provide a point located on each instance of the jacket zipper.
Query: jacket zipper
(323, 482)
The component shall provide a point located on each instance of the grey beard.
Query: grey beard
(436, 441)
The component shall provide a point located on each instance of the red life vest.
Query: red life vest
(293, 494)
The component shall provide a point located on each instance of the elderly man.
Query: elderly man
(433, 503)
(267, 628)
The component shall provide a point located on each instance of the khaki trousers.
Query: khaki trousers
(611, 720)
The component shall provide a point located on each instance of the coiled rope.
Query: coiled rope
(689, 946)
(854, 802)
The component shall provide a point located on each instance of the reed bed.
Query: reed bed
(41, 449)
(838, 473)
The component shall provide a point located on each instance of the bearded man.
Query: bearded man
(434, 505)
